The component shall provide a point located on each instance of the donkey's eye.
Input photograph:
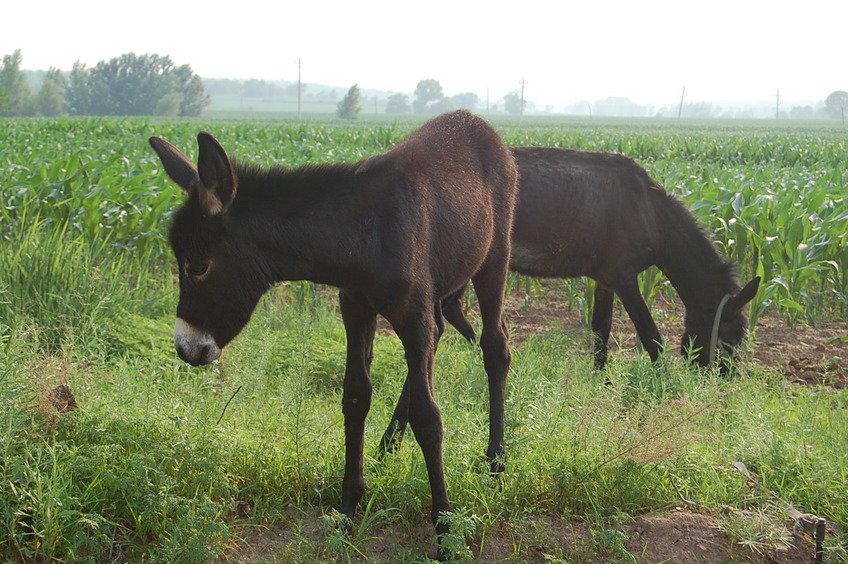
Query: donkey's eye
(197, 268)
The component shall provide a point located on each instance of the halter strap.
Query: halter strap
(716, 322)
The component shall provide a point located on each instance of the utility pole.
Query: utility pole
(777, 110)
(521, 108)
(680, 109)
(299, 88)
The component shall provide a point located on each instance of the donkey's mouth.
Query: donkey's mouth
(194, 346)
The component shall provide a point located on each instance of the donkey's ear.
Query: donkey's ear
(218, 182)
(176, 164)
(745, 295)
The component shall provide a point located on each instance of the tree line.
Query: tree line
(428, 98)
(153, 85)
(126, 85)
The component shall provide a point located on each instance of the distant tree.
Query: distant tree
(698, 110)
(169, 105)
(427, 92)
(398, 104)
(15, 92)
(466, 100)
(350, 105)
(291, 89)
(619, 106)
(50, 100)
(802, 112)
(836, 104)
(79, 94)
(193, 96)
(135, 85)
(254, 88)
(441, 106)
(513, 104)
(222, 86)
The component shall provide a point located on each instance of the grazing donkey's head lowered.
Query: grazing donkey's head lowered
(221, 279)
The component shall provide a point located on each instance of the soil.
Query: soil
(805, 355)
(676, 536)
(808, 355)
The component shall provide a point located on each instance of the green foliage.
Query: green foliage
(514, 104)
(770, 197)
(836, 105)
(398, 104)
(350, 105)
(16, 96)
(50, 100)
(427, 93)
(132, 85)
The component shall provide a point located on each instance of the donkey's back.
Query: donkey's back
(451, 190)
(579, 211)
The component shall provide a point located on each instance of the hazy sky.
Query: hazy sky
(647, 51)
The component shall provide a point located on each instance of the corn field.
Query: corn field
(773, 198)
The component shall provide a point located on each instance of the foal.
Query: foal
(396, 233)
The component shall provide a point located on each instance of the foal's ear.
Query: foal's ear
(218, 181)
(745, 295)
(179, 168)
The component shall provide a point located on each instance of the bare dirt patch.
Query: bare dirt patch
(676, 536)
(810, 355)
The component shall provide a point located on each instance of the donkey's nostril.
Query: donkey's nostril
(209, 353)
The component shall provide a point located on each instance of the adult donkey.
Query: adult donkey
(596, 214)
(397, 233)
(600, 215)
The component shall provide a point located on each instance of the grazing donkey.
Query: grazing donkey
(396, 233)
(595, 214)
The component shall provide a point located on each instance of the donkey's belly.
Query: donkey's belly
(549, 263)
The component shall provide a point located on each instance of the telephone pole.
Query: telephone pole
(299, 88)
(521, 108)
(777, 110)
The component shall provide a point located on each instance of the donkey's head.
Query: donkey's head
(715, 334)
(222, 276)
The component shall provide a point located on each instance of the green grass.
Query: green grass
(164, 463)
(159, 457)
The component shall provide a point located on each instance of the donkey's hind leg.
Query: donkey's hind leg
(452, 310)
(602, 323)
(490, 285)
(393, 435)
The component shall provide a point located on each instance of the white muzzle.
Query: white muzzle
(194, 346)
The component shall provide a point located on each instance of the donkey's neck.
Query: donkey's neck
(692, 263)
(311, 223)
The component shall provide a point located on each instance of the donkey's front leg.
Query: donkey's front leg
(628, 292)
(360, 321)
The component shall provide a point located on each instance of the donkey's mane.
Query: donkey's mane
(274, 181)
(698, 241)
